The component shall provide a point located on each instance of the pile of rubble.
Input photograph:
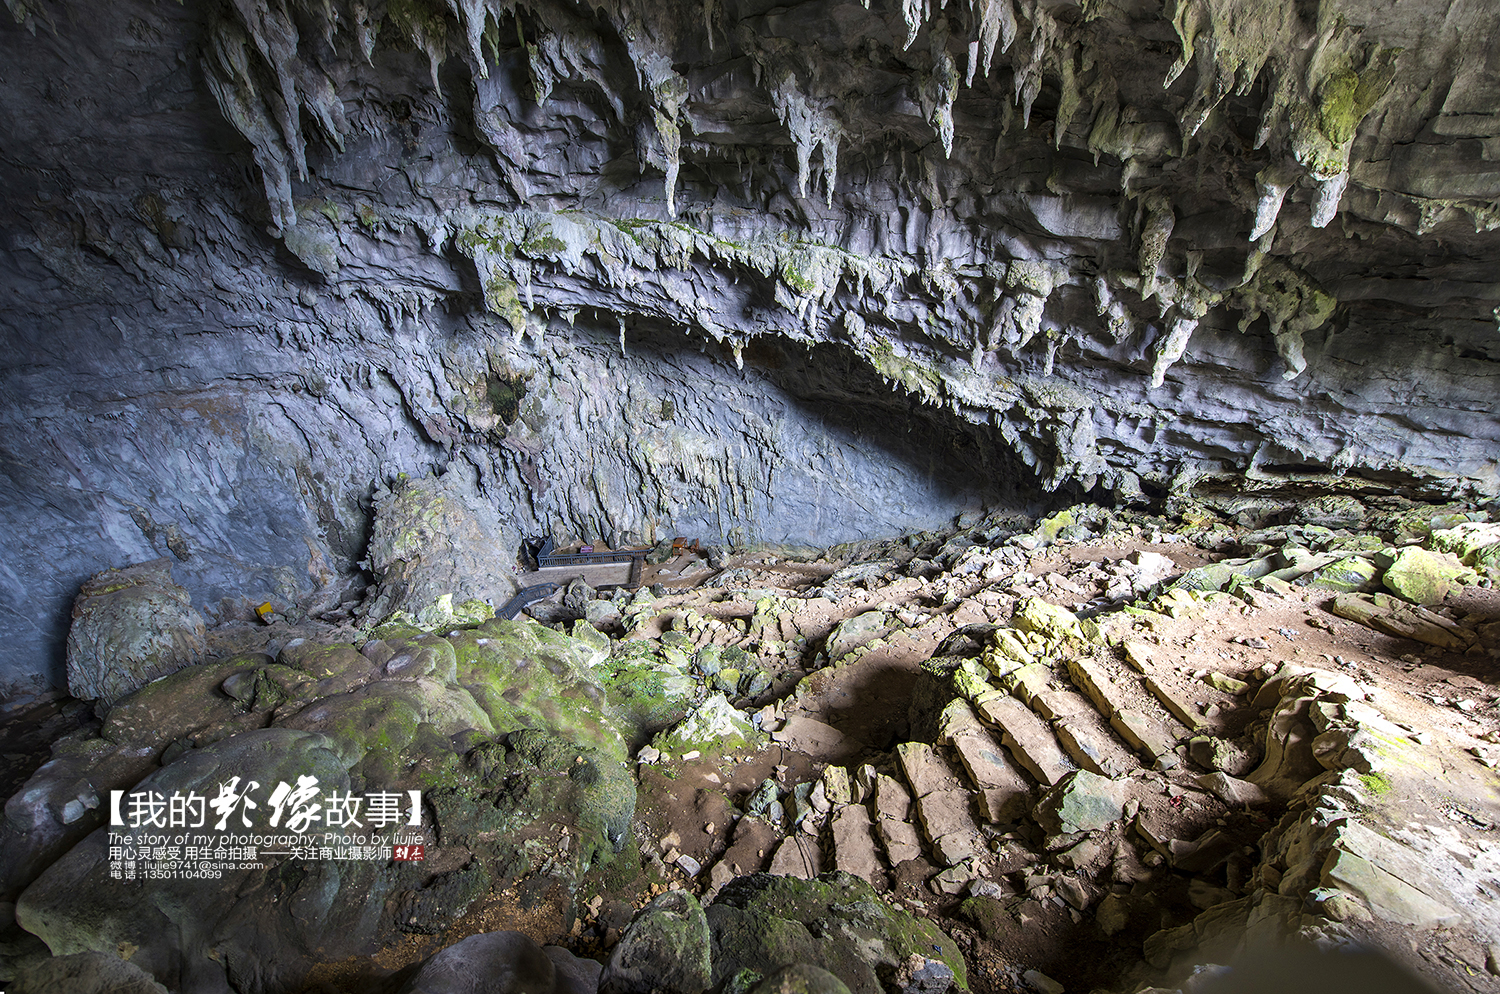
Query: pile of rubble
(1093, 728)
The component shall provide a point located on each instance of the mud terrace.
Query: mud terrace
(1103, 751)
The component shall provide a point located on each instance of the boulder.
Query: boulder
(1049, 621)
(1475, 543)
(1352, 573)
(665, 950)
(315, 912)
(854, 633)
(130, 626)
(86, 973)
(1081, 802)
(715, 727)
(1424, 577)
(836, 922)
(502, 963)
(1331, 511)
(440, 552)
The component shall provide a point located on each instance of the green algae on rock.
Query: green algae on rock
(836, 922)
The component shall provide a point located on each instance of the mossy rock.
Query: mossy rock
(421, 656)
(178, 705)
(1424, 577)
(1051, 526)
(1047, 620)
(525, 675)
(1476, 544)
(374, 725)
(836, 922)
(130, 626)
(664, 950)
(338, 667)
(302, 910)
(645, 694)
(431, 907)
(538, 779)
(714, 728)
(800, 978)
(1351, 574)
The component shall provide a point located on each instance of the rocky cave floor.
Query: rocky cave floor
(1094, 750)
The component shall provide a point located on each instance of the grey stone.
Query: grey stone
(853, 844)
(130, 626)
(86, 973)
(1038, 980)
(1082, 802)
(664, 949)
(488, 963)
(797, 856)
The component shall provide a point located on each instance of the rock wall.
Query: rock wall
(743, 271)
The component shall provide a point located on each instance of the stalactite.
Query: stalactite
(1069, 99)
(914, 12)
(1271, 186)
(945, 84)
(1292, 303)
(1156, 229)
(811, 127)
(1326, 201)
(997, 29)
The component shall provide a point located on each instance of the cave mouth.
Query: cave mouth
(1094, 466)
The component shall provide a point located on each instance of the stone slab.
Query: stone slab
(1231, 790)
(945, 812)
(1387, 895)
(1394, 857)
(986, 763)
(956, 848)
(1028, 738)
(891, 799)
(1096, 686)
(1177, 707)
(901, 839)
(817, 739)
(1004, 805)
(798, 856)
(1140, 656)
(924, 769)
(1145, 736)
(1082, 743)
(1054, 704)
(958, 719)
(853, 844)
(1028, 681)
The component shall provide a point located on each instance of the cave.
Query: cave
(1023, 479)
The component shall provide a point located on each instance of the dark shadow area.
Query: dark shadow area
(837, 387)
(963, 466)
